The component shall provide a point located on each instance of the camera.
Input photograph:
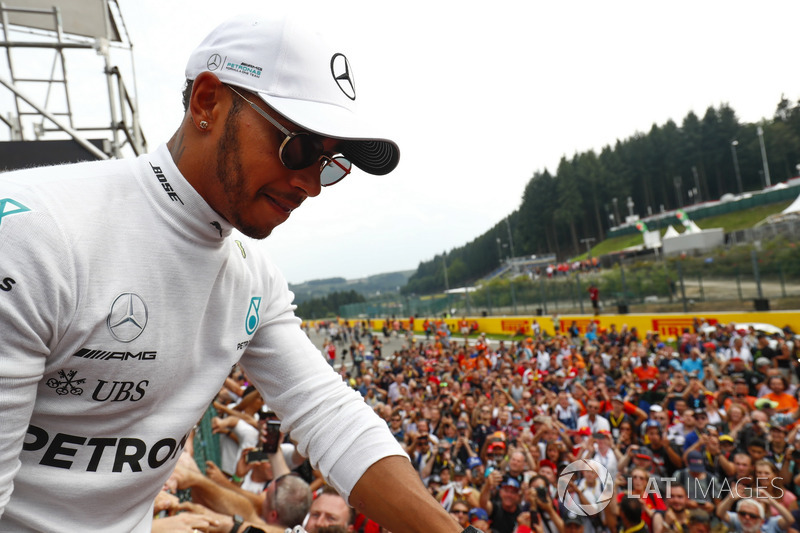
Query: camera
(541, 493)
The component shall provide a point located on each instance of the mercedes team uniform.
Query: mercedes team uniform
(124, 302)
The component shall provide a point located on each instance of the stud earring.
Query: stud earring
(203, 124)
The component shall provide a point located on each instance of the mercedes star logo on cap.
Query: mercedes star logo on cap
(340, 68)
(214, 62)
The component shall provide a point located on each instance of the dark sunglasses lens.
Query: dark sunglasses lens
(334, 170)
(300, 151)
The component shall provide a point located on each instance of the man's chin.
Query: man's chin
(254, 232)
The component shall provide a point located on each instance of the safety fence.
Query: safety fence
(745, 277)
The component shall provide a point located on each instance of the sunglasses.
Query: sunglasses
(751, 516)
(301, 150)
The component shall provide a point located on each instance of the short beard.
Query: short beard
(231, 174)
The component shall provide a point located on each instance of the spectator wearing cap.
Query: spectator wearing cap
(701, 486)
(479, 519)
(622, 411)
(463, 447)
(456, 489)
(727, 446)
(475, 471)
(501, 498)
(749, 515)
(754, 378)
(666, 455)
(636, 457)
(495, 453)
(548, 470)
(572, 522)
(777, 445)
(700, 428)
(601, 451)
(763, 348)
(765, 370)
(712, 410)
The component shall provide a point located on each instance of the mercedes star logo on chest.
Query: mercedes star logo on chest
(128, 317)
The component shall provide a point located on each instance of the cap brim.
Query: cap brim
(371, 153)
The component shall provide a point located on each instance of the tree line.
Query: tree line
(327, 306)
(669, 167)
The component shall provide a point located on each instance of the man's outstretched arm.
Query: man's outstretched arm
(409, 509)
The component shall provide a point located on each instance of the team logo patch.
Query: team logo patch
(66, 383)
(252, 320)
(128, 317)
(10, 207)
(340, 68)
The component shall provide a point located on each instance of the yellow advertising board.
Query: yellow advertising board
(668, 325)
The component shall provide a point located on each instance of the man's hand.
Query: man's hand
(214, 473)
(165, 502)
(181, 523)
(494, 479)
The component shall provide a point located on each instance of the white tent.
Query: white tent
(795, 207)
(671, 232)
(693, 228)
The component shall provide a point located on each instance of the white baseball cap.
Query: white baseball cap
(294, 70)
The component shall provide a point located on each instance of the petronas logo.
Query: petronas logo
(10, 207)
(251, 322)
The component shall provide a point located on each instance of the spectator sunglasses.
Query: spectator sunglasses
(303, 149)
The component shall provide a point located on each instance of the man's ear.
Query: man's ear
(208, 93)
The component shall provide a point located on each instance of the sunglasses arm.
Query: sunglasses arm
(263, 113)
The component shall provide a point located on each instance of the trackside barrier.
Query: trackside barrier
(669, 325)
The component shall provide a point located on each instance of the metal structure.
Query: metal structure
(38, 94)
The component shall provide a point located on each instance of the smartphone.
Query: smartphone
(541, 493)
(272, 437)
(257, 455)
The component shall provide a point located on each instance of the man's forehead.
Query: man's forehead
(330, 503)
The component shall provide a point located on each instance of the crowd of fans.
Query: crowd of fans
(607, 431)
